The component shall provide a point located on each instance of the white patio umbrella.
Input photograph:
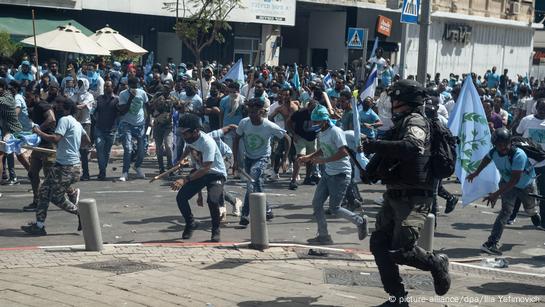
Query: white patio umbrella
(67, 38)
(113, 41)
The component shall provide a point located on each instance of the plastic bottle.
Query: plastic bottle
(495, 263)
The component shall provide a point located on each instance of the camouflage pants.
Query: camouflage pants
(57, 182)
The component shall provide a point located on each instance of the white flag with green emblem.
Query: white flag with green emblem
(468, 122)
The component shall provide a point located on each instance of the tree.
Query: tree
(201, 23)
(7, 47)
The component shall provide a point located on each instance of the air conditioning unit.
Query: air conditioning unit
(514, 8)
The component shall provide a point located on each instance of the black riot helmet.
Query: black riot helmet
(408, 91)
(501, 135)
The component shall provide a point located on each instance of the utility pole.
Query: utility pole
(403, 54)
(425, 21)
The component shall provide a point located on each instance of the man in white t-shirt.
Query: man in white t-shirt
(533, 127)
(379, 61)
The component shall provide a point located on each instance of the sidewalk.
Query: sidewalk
(229, 275)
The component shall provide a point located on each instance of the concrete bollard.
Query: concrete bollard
(90, 224)
(258, 222)
(426, 235)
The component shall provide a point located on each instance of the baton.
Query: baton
(540, 197)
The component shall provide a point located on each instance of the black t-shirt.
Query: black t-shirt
(214, 119)
(302, 124)
(37, 115)
(106, 112)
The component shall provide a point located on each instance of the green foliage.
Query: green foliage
(7, 47)
(202, 21)
(471, 143)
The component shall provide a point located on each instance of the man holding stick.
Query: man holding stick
(211, 173)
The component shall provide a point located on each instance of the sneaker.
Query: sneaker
(140, 173)
(536, 220)
(237, 207)
(363, 228)
(320, 240)
(84, 178)
(491, 249)
(293, 185)
(269, 215)
(451, 204)
(30, 208)
(223, 214)
(511, 222)
(215, 235)
(308, 181)
(74, 196)
(244, 221)
(441, 277)
(188, 230)
(124, 177)
(101, 177)
(33, 229)
(379, 201)
(13, 181)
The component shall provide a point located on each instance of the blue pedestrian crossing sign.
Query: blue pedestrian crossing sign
(409, 11)
(355, 38)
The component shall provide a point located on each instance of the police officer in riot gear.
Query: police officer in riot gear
(401, 162)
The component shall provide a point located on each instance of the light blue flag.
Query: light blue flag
(357, 133)
(328, 81)
(375, 46)
(468, 122)
(15, 143)
(296, 81)
(236, 73)
(149, 63)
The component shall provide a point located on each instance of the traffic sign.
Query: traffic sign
(409, 11)
(355, 38)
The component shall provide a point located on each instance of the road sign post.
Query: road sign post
(409, 15)
(425, 22)
(357, 39)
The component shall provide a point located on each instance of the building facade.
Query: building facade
(465, 35)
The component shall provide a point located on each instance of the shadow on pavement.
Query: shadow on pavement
(462, 252)
(448, 235)
(14, 233)
(286, 301)
(496, 288)
(535, 261)
(470, 226)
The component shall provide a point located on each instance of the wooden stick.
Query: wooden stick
(35, 46)
(40, 149)
(168, 172)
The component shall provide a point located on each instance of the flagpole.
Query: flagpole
(35, 46)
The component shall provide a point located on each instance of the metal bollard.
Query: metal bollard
(426, 235)
(258, 223)
(90, 224)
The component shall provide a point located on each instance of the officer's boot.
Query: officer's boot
(426, 261)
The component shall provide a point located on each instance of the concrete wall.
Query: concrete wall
(491, 45)
(327, 30)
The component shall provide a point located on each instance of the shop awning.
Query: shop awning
(22, 27)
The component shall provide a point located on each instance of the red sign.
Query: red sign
(384, 25)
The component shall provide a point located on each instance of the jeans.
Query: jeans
(84, 152)
(163, 145)
(333, 187)
(39, 160)
(127, 132)
(103, 141)
(10, 159)
(255, 168)
(507, 204)
(178, 146)
(214, 184)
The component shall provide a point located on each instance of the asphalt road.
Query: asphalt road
(139, 211)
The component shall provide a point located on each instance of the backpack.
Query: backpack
(531, 149)
(443, 150)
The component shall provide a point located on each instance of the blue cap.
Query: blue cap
(27, 63)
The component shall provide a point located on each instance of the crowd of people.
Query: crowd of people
(279, 119)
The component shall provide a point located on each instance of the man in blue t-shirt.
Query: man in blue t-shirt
(517, 181)
(493, 79)
(132, 102)
(69, 136)
(369, 119)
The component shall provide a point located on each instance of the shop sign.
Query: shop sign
(457, 33)
(384, 25)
